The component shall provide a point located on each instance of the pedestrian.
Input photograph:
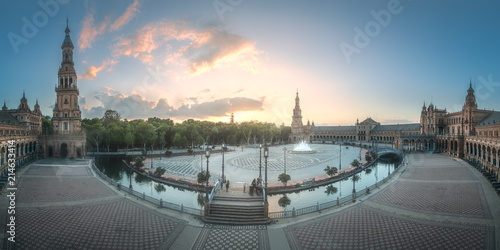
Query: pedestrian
(244, 186)
(227, 185)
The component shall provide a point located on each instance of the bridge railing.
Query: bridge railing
(158, 202)
(215, 190)
(333, 203)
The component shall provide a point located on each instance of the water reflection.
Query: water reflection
(116, 170)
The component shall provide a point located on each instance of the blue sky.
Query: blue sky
(207, 59)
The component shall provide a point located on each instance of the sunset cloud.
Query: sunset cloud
(91, 72)
(124, 19)
(198, 51)
(136, 106)
(90, 31)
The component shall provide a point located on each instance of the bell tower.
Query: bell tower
(297, 125)
(67, 140)
(66, 114)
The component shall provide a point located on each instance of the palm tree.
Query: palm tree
(331, 171)
(330, 189)
(354, 179)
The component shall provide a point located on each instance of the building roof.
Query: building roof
(7, 118)
(491, 119)
(368, 121)
(402, 127)
(333, 128)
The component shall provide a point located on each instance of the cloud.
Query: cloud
(91, 71)
(129, 14)
(135, 106)
(198, 51)
(90, 31)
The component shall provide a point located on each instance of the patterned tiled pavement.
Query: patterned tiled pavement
(232, 237)
(436, 203)
(366, 228)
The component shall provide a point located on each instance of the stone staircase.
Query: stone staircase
(237, 209)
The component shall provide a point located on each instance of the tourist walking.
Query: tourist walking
(227, 185)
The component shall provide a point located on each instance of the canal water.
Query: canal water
(115, 169)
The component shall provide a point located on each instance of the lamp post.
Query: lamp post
(284, 158)
(207, 154)
(130, 178)
(340, 160)
(260, 161)
(223, 179)
(266, 154)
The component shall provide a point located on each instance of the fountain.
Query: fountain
(302, 148)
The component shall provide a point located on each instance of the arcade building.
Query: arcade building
(24, 125)
(471, 134)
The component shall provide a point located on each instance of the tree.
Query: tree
(179, 140)
(284, 178)
(331, 171)
(145, 133)
(129, 139)
(160, 188)
(330, 189)
(160, 171)
(110, 117)
(202, 177)
(47, 127)
(284, 201)
(355, 178)
(368, 158)
(355, 163)
(95, 134)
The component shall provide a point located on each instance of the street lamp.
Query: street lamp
(223, 179)
(130, 178)
(284, 158)
(260, 161)
(340, 160)
(207, 154)
(266, 154)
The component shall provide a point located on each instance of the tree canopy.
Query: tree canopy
(111, 133)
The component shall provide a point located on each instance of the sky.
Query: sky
(207, 59)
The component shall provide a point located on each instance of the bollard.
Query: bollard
(293, 212)
(118, 186)
(161, 202)
(317, 206)
(182, 208)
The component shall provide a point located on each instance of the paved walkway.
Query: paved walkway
(436, 203)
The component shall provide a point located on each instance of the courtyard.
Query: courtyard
(434, 202)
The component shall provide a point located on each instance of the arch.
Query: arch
(64, 150)
(2, 156)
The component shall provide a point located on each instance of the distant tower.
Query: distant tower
(297, 125)
(69, 140)
(423, 119)
(232, 118)
(470, 107)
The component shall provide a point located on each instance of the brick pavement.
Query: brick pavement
(362, 227)
(404, 217)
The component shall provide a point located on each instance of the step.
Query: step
(235, 216)
(236, 223)
(233, 212)
(227, 198)
(240, 220)
(234, 207)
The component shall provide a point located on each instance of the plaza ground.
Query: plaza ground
(433, 202)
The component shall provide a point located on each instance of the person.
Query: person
(227, 185)
(252, 186)
(244, 187)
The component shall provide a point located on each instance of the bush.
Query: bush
(168, 153)
(190, 151)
